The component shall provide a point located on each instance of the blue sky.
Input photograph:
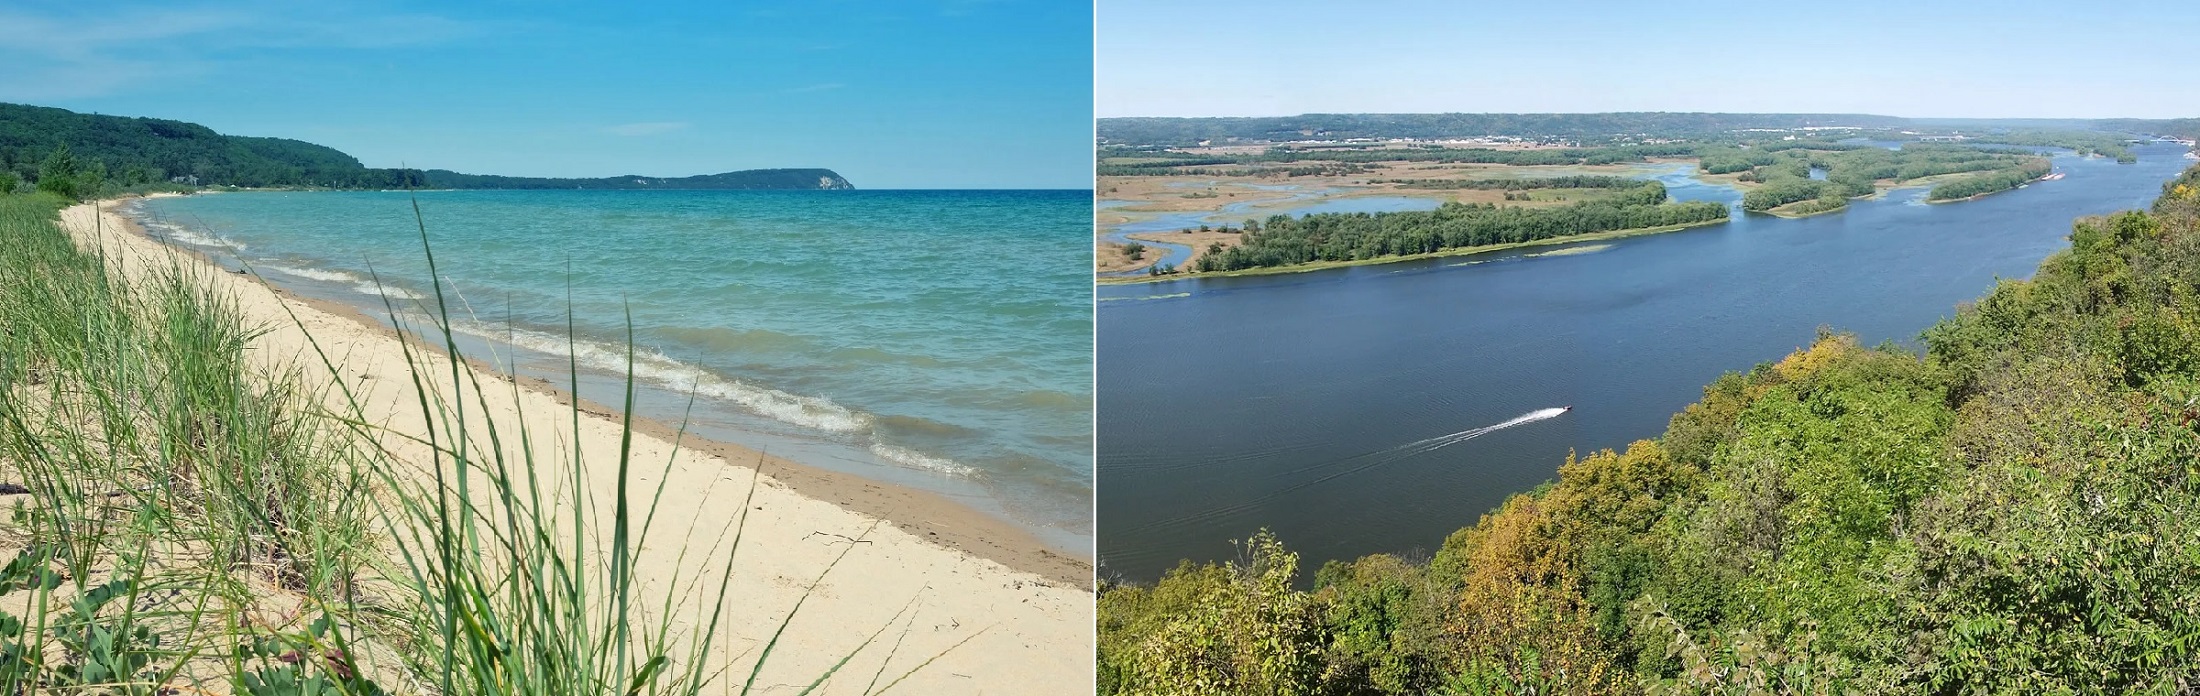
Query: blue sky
(891, 93)
(2016, 58)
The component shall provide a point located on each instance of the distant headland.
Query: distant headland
(135, 151)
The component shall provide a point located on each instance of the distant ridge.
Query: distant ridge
(150, 150)
(1184, 131)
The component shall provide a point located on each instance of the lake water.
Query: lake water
(932, 338)
(1232, 404)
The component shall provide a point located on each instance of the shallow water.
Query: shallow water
(1291, 401)
(1301, 201)
(940, 338)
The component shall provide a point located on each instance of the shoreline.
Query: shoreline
(1133, 276)
(1462, 251)
(936, 516)
(1020, 615)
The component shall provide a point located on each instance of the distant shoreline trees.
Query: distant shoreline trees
(1784, 177)
(1288, 241)
(1990, 182)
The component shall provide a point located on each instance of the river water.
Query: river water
(1294, 402)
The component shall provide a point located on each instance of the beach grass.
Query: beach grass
(186, 520)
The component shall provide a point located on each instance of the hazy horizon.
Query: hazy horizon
(1668, 111)
(1975, 59)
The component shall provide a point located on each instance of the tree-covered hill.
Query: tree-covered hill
(141, 150)
(2176, 127)
(2015, 510)
(128, 151)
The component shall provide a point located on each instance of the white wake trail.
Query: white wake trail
(1443, 441)
(1372, 460)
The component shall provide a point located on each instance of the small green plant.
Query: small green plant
(107, 650)
(19, 657)
(314, 662)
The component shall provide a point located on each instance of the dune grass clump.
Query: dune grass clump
(183, 518)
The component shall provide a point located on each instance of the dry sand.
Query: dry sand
(1108, 257)
(1028, 627)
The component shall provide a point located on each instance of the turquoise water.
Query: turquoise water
(936, 338)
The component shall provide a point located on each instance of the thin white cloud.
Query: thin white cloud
(55, 55)
(52, 37)
(364, 31)
(648, 128)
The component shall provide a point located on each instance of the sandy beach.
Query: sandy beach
(1000, 612)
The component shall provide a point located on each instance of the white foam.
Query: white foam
(392, 292)
(918, 460)
(181, 234)
(806, 411)
(316, 274)
(363, 286)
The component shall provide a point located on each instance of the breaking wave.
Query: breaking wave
(182, 234)
(918, 460)
(363, 286)
(658, 369)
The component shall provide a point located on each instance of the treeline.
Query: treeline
(1785, 190)
(1185, 132)
(2173, 127)
(1465, 155)
(2013, 511)
(1318, 169)
(1153, 162)
(1126, 162)
(135, 151)
(1731, 159)
(2083, 142)
(1287, 241)
(1990, 182)
(1784, 176)
(1519, 184)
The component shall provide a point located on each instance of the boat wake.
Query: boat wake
(1443, 441)
(1364, 462)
